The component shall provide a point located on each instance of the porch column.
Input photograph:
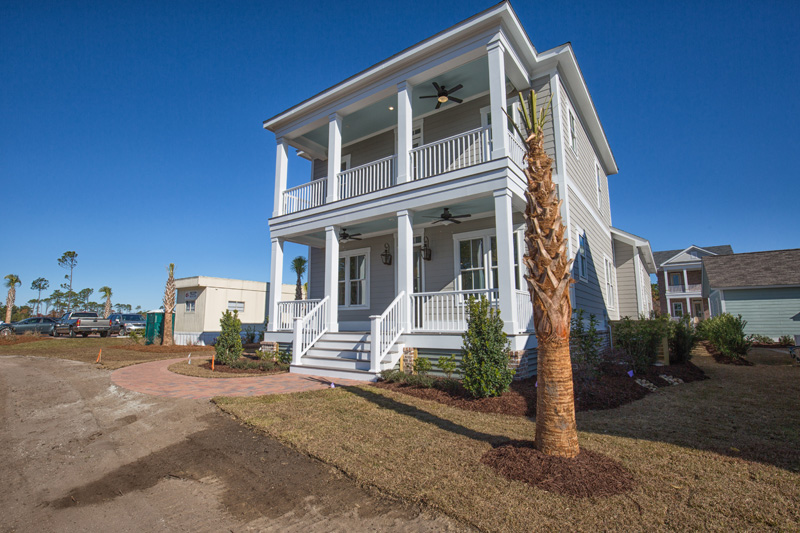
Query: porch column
(405, 129)
(685, 281)
(281, 167)
(505, 260)
(497, 98)
(275, 282)
(405, 262)
(334, 154)
(332, 276)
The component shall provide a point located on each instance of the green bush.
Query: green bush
(285, 356)
(448, 365)
(726, 333)
(244, 363)
(586, 343)
(640, 339)
(413, 380)
(786, 340)
(422, 366)
(485, 351)
(229, 343)
(762, 339)
(682, 339)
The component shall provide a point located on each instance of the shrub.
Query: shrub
(786, 340)
(485, 351)
(448, 365)
(726, 333)
(682, 339)
(422, 366)
(285, 356)
(248, 364)
(413, 380)
(249, 335)
(639, 339)
(762, 339)
(229, 343)
(586, 343)
(135, 336)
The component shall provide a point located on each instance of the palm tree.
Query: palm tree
(12, 280)
(549, 278)
(39, 284)
(169, 306)
(106, 292)
(299, 267)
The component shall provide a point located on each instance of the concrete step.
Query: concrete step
(356, 346)
(338, 353)
(333, 373)
(346, 336)
(335, 362)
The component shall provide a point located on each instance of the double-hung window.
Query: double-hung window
(354, 278)
(477, 262)
(611, 290)
(190, 306)
(573, 133)
(581, 267)
(599, 183)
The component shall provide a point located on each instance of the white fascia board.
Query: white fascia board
(641, 243)
(692, 247)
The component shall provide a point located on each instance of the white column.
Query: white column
(281, 168)
(405, 262)
(505, 260)
(405, 130)
(275, 282)
(685, 281)
(332, 276)
(497, 98)
(334, 154)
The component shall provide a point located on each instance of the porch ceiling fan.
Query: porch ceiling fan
(443, 95)
(346, 237)
(449, 218)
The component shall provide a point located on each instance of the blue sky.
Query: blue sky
(131, 131)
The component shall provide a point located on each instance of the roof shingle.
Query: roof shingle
(661, 257)
(755, 269)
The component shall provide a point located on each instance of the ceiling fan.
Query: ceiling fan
(448, 218)
(346, 237)
(443, 95)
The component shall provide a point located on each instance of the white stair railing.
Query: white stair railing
(304, 196)
(367, 178)
(524, 311)
(459, 151)
(516, 149)
(288, 311)
(445, 311)
(385, 330)
(308, 329)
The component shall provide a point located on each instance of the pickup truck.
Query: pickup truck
(83, 323)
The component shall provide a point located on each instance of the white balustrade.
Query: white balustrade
(445, 311)
(516, 149)
(308, 329)
(288, 311)
(692, 287)
(524, 311)
(385, 330)
(304, 196)
(363, 179)
(459, 151)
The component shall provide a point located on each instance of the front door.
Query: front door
(697, 306)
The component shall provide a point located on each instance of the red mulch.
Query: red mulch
(721, 358)
(590, 474)
(225, 369)
(611, 389)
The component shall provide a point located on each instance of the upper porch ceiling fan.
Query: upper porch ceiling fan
(443, 95)
(448, 218)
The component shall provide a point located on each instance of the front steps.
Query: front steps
(341, 355)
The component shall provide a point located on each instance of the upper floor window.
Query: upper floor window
(675, 280)
(190, 306)
(599, 183)
(236, 306)
(573, 135)
(611, 289)
(581, 266)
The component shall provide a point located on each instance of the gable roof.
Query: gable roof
(663, 257)
(755, 269)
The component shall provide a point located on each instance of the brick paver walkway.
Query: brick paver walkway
(154, 378)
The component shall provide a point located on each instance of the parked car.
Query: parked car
(42, 325)
(83, 323)
(123, 324)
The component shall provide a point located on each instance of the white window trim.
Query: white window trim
(611, 276)
(572, 129)
(236, 302)
(345, 255)
(683, 311)
(486, 235)
(578, 233)
(515, 109)
(346, 162)
(186, 306)
(598, 183)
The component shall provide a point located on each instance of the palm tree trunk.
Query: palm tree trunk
(10, 303)
(556, 432)
(107, 310)
(169, 305)
(298, 290)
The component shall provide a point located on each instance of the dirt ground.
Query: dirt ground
(80, 454)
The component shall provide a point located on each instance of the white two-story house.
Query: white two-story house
(416, 200)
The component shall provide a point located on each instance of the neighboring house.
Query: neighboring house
(416, 201)
(202, 300)
(763, 287)
(634, 263)
(680, 280)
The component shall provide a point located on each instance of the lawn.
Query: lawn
(721, 454)
(116, 352)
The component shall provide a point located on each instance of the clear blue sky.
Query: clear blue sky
(131, 133)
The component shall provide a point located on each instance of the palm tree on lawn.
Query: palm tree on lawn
(12, 280)
(169, 306)
(106, 292)
(299, 267)
(548, 279)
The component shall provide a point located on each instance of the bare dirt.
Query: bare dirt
(80, 454)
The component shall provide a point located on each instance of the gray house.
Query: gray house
(763, 287)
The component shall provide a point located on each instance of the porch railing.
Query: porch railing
(445, 311)
(692, 287)
(308, 329)
(385, 330)
(459, 151)
(288, 311)
(380, 174)
(524, 311)
(304, 196)
(516, 149)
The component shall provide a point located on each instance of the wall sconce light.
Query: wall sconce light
(386, 256)
(426, 250)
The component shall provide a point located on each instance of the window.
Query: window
(581, 266)
(677, 308)
(236, 306)
(611, 289)
(477, 262)
(573, 135)
(675, 280)
(354, 278)
(472, 262)
(599, 183)
(190, 307)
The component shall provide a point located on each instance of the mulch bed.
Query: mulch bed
(589, 474)
(225, 369)
(157, 348)
(612, 389)
(21, 339)
(721, 358)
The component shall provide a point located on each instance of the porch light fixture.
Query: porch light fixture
(425, 251)
(386, 256)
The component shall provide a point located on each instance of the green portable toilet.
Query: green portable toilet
(154, 326)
